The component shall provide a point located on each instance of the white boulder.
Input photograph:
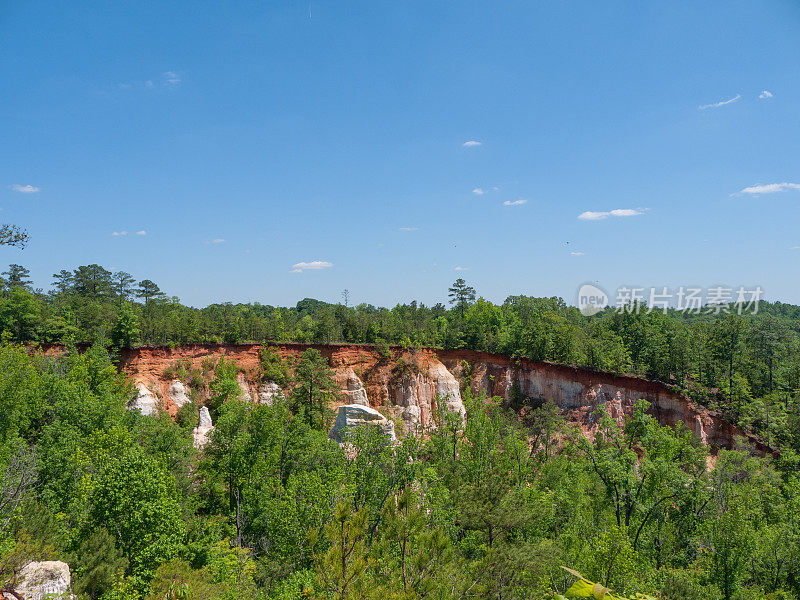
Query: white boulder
(351, 416)
(47, 579)
(145, 401)
(178, 393)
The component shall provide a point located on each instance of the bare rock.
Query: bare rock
(269, 392)
(178, 393)
(244, 389)
(202, 432)
(355, 391)
(47, 579)
(448, 389)
(351, 416)
(145, 401)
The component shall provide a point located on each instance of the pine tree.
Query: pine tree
(461, 295)
(315, 389)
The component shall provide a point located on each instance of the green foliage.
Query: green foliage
(99, 564)
(273, 367)
(315, 388)
(125, 332)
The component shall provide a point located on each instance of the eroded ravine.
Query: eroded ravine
(406, 385)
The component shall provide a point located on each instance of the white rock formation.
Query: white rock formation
(48, 579)
(353, 415)
(145, 401)
(447, 388)
(178, 393)
(268, 392)
(202, 432)
(244, 389)
(355, 392)
(416, 393)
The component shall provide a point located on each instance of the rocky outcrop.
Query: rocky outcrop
(411, 383)
(353, 388)
(178, 393)
(351, 416)
(202, 432)
(244, 388)
(47, 579)
(145, 401)
(269, 392)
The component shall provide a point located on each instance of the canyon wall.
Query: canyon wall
(406, 386)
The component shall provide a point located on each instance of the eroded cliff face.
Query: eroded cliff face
(406, 386)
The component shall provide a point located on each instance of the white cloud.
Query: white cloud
(577, 253)
(408, 228)
(119, 233)
(314, 265)
(766, 94)
(171, 78)
(478, 192)
(141, 232)
(594, 215)
(471, 144)
(460, 268)
(795, 248)
(218, 241)
(514, 202)
(720, 103)
(625, 212)
(770, 188)
(25, 189)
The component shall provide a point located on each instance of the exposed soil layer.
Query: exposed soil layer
(408, 384)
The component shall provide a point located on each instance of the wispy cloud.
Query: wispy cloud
(472, 144)
(25, 189)
(408, 228)
(141, 232)
(218, 241)
(478, 192)
(460, 268)
(170, 78)
(514, 202)
(577, 253)
(594, 215)
(769, 188)
(167, 80)
(119, 233)
(765, 94)
(314, 265)
(795, 248)
(720, 103)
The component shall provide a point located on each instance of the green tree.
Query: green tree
(461, 295)
(126, 332)
(342, 568)
(17, 276)
(122, 284)
(99, 564)
(148, 290)
(315, 388)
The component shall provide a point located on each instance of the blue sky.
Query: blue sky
(252, 140)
